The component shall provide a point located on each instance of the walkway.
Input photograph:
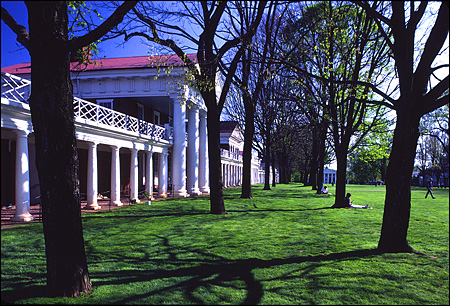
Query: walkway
(8, 213)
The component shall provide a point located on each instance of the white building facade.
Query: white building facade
(137, 129)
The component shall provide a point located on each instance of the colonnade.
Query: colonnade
(190, 174)
(92, 183)
(231, 175)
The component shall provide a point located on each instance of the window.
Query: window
(140, 111)
(108, 103)
(156, 117)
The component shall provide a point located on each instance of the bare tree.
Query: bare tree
(256, 68)
(211, 46)
(420, 91)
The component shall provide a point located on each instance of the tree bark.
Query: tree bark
(322, 139)
(314, 159)
(341, 175)
(246, 192)
(272, 162)
(267, 160)
(215, 165)
(51, 104)
(247, 154)
(397, 204)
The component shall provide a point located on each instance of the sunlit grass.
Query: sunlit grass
(284, 246)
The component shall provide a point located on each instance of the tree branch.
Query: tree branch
(101, 30)
(23, 36)
(432, 47)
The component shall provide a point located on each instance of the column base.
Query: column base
(117, 203)
(23, 218)
(92, 207)
(195, 192)
(163, 195)
(204, 190)
(181, 194)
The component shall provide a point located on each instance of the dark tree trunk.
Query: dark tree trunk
(283, 166)
(314, 160)
(267, 160)
(52, 114)
(247, 154)
(397, 204)
(341, 175)
(248, 135)
(215, 164)
(322, 139)
(274, 183)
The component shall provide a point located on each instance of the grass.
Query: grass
(284, 246)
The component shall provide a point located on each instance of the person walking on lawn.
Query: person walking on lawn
(430, 188)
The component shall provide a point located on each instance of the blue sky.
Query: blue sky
(13, 53)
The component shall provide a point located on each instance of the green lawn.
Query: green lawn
(284, 246)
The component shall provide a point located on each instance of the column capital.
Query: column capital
(21, 133)
(92, 143)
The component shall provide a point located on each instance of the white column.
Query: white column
(92, 179)
(115, 176)
(203, 173)
(179, 149)
(162, 175)
(134, 175)
(234, 175)
(149, 174)
(22, 183)
(193, 147)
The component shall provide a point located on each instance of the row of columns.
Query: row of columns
(190, 171)
(232, 175)
(92, 183)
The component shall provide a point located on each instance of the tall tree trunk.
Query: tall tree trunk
(248, 141)
(322, 139)
(341, 175)
(274, 183)
(267, 160)
(52, 114)
(398, 185)
(314, 160)
(215, 165)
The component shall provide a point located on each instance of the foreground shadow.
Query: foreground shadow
(205, 274)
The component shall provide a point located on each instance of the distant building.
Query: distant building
(329, 176)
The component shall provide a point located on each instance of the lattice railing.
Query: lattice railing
(15, 88)
(18, 89)
(103, 115)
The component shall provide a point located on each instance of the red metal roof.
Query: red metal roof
(112, 63)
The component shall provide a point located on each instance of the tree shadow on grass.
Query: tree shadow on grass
(206, 272)
(256, 210)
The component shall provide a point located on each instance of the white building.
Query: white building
(136, 128)
(329, 176)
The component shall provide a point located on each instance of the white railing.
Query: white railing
(106, 116)
(234, 156)
(15, 88)
(18, 89)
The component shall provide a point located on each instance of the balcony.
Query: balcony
(103, 116)
(231, 155)
(17, 89)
